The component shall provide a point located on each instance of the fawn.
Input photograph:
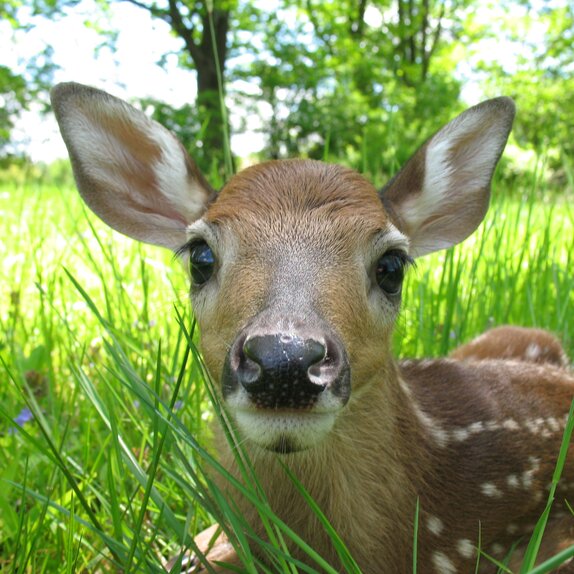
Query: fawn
(296, 271)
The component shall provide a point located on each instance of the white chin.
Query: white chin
(284, 432)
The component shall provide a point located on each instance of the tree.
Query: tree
(13, 98)
(203, 26)
(540, 78)
(335, 74)
(19, 88)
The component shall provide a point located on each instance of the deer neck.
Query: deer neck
(375, 459)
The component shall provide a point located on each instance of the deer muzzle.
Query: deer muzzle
(288, 383)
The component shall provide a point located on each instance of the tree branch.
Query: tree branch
(424, 29)
(184, 32)
(436, 37)
(152, 9)
(358, 27)
(318, 31)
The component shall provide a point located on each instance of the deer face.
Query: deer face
(298, 272)
(296, 266)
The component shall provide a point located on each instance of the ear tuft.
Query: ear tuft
(130, 170)
(442, 193)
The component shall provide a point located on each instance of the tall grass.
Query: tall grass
(105, 461)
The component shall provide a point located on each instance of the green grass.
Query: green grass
(110, 472)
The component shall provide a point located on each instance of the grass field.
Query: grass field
(104, 414)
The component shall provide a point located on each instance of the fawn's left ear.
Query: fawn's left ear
(441, 194)
(130, 170)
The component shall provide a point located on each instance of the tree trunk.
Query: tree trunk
(211, 53)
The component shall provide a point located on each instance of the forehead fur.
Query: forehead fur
(300, 194)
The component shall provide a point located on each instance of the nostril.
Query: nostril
(249, 372)
(288, 369)
(282, 363)
(251, 349)
(314, 352)
(326, 370)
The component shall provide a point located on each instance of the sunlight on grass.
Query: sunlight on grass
(105, 457)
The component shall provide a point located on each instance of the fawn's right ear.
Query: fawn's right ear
(441, 194)
(130, 170)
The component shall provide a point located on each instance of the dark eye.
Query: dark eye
(390, 271)
(201, 262)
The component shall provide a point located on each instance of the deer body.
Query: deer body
(296, 270)
(406, 452)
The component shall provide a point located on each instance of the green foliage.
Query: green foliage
(540, 77)
(358, 82)
(13, 98)
(104, 411)
(334, 81)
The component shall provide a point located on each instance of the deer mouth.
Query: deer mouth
(285, 385)
(284, 432)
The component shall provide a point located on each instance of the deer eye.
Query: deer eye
(390, 271)
(201, 262)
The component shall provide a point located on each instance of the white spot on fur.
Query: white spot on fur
(533, 426)
(464, 433)
(553, 424)
(465, 548)
(492, 426)
(497, 549)
(434, 428)
(443, 564)
(534, 462)
(528, 475)
(435, 525)
(512, 481)
(439, 434)
(476, 427)
(460, 435)
(510, 424)
(490, 489)
(532, 351)
(512, 528)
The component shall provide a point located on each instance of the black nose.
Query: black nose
(283, 370)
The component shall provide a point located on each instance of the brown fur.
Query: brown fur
(474, 438)
(510, 342)
(381, 455)
(392, 460)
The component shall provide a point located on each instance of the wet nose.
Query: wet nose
(284, 370)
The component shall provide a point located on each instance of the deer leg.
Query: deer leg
(558, 535)
(219, 552)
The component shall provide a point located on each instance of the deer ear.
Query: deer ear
(130, 170)
(441, 194)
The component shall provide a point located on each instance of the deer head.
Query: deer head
(296, 266)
